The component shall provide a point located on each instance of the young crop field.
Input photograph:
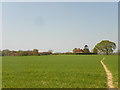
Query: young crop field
(112, 64)
(62, 71)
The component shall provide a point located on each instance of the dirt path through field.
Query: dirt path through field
(109, 75)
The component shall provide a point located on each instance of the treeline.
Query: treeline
(104, 47)
(8, 52)
(33, 52)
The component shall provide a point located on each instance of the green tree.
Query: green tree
(35, 52)
(50, 51)
(86, 49)
(95, 51)
(105, 46)
(22, 53)
(118, 52)
(0, 53)
(5, 52)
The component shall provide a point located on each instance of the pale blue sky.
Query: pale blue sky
(58, 26)
(0, 25)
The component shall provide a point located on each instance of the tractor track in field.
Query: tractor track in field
(108, 74)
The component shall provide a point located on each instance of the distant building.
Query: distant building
(78, 50)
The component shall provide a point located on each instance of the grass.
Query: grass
(112, 64)
(0, 72)
(75, 71)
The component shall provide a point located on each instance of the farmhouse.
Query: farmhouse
(78, 50)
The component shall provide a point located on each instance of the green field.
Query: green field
(0, 72)
(112, 63)
(75, 71)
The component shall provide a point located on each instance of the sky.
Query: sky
(0, 25)
(59, 26)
